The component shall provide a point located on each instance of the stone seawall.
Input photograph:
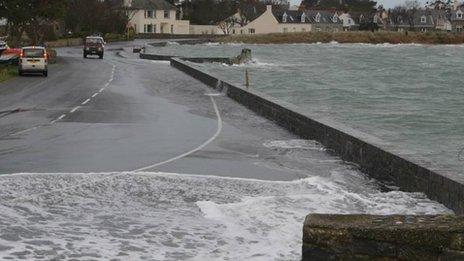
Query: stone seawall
(243, 57)
(366, 237)
(351, 145)
(158, 57)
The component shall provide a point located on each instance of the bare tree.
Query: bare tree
(413, 7)
(227, 24)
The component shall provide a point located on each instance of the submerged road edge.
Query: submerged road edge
(347, 143)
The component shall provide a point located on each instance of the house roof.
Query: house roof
(294, 17)
(151, 4)
(432, 19)
(454, 16)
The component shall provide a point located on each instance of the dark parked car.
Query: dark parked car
(94, 45)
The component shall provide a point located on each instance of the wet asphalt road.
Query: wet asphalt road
(122, 114)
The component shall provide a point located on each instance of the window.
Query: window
(233, 31)
(150, 28)
(241, 31)
(376, 19)
(150, 14)
(33, 53)
(318, 18)
(251, 31)
(172, 28)
(284, 18)
(423, 19)
(154, 28)
(458, 29)
(423, 30)
(166, 13)
(459, 14)
(144, 28)
(303, 18)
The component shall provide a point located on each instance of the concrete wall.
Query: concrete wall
(65, 43)
(365, 237)
(205, 29)
(349, 144)
(157, 57)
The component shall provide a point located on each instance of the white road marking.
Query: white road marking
(218, 131)
(75, 109)
(24, 131)
(113, 69)
(206, 143)
(58, 119)
(214, 94)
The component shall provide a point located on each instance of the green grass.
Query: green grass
(7, 72)
(348, 37)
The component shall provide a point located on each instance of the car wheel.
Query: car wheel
(101, 56)
(85, 55)
(45, 73)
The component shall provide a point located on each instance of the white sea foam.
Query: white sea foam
(294, 144)
(172, 43)
(168, 216)
(257, 64)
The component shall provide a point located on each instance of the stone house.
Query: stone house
(424, 20)
(457, 19)
(155, 17)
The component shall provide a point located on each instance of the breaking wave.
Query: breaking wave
(169, 216)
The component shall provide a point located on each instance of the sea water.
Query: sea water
(410, 96)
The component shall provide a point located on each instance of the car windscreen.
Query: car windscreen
(33, 53)
(93, 41)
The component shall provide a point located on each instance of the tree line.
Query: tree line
(38, 19)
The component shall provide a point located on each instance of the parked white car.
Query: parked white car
(33, 59)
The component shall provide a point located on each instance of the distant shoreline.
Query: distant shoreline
(348, 37)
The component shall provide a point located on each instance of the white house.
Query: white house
(287, 21)
(348, 22)
(155, 17)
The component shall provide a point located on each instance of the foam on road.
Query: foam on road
(167, 216)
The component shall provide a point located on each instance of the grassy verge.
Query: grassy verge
(348, 37)
(8, 72)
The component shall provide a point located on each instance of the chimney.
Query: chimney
(268, 8)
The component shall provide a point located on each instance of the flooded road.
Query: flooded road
(127, 159)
